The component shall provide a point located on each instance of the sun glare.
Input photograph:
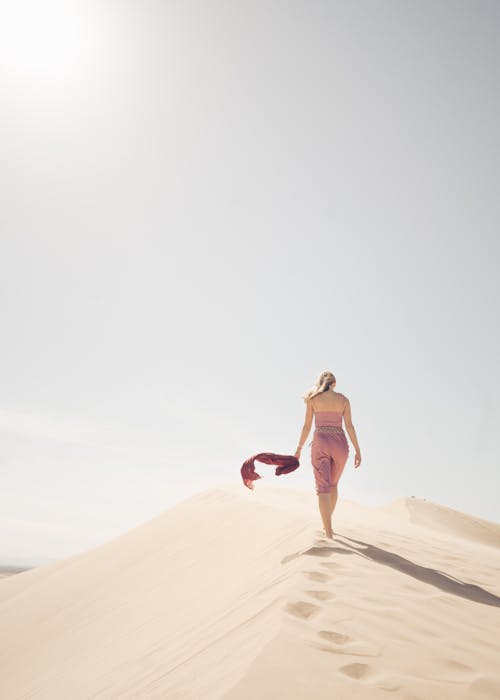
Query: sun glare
(48, 43)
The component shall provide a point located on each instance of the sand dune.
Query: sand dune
(11, 570)
(453, 522)
(233, 594)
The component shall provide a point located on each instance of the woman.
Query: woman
(330, 449)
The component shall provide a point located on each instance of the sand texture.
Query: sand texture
(235, 595)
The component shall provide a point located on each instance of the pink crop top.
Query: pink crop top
(328, 418)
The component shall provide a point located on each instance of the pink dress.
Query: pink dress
(329, 451)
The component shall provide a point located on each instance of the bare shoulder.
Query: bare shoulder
(346, 406)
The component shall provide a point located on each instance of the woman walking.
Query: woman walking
(330, 449)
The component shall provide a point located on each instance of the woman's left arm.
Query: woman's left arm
(305, 429)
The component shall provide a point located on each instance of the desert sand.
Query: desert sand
(235, 594)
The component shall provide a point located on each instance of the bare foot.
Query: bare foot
(323, 533)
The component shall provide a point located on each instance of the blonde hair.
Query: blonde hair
(323, 383)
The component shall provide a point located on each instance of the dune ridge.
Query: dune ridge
(453, 522)
(235, 595)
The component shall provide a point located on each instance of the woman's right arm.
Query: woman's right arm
(352, 433)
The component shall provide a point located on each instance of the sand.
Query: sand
(234, 594)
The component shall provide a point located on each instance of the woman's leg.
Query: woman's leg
(334, 494)
(340, 453)
(322, 465)
(324, 509)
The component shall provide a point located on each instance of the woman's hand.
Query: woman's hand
(297, 453)
(357, 460)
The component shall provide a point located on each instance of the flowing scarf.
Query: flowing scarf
(287, 463)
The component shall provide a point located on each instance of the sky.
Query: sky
(204, 205)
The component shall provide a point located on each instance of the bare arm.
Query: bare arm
(306, 428)
(350, 427)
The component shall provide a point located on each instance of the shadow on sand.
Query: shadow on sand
(433, 577)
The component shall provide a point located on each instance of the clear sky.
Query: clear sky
(206, 204)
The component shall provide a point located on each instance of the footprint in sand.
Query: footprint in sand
(357, 671)
(321, 595)
(302, 609)
(317, 576)
(457, 666)
(334, 637)
(343, 644)
(330, 565)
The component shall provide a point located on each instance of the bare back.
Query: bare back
(329, 401)
(335, 402)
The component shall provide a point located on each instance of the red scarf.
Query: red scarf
(287, 463)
